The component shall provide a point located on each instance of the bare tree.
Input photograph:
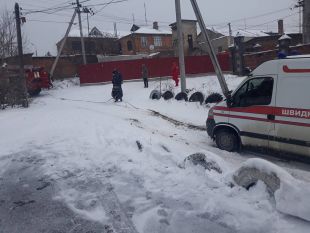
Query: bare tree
(8, 44)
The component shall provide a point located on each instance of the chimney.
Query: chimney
(280, 27)
(155, 25)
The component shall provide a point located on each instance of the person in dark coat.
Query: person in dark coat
(117, 81)
(145, 76)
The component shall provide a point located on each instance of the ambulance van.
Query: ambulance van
(270, 109)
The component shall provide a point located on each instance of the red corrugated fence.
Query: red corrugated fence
(158, 67)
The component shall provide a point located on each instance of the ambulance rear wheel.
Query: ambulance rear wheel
(227, 140)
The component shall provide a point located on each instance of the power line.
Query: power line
(253, 17)
(105, 4)
(254, 26)
(47, 21)
(109, 3)
(49, 10)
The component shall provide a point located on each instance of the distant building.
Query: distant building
(221, 41)
(146, 40)
(255, 44)
(96, 42)
(190, 43)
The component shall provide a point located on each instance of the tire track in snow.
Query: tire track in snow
(120, 221)
(102, 192)
(176, 122)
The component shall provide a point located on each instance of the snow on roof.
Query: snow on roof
(298, 56)
(145, 30)
(148, 30)
(75, 32)
(222, 31)
(251, 33)
(285, 37)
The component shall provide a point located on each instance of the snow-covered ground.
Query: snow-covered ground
(88, 146)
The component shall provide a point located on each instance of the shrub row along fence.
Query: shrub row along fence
(158, 67)
(11, 89)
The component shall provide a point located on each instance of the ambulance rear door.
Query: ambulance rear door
(292, 120)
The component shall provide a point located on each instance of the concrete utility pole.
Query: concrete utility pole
(62, 44)
(180, 45)
(21, 60)
(115, 30)
(306, 21)
(78, 6)
(230, 35)
(213, 56)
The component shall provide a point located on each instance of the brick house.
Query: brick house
(145, 40)
(247, 48)
(96, 42)
(251, 48)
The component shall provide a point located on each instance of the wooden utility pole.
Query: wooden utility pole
(23, 89)
(180, 45)
(78, 6)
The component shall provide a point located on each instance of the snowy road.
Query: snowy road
(73, 159)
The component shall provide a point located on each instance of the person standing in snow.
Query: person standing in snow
(117, 81)
(145, 76)
(175, 73)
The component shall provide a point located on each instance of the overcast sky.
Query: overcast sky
(44, 30)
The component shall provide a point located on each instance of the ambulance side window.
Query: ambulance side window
(257, 91)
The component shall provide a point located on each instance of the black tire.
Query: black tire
(197, 97)
(155, 95)
(210, 127)
(181, 96)
(214, 98)
(227, 140)
(167, 95)
(34, 92)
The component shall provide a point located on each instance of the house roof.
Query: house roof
(285, 37)
(184, 21)
(147, 31)
(75, 32)
(251, 33)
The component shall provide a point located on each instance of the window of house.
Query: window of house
(257, 91)
(76, 46)
(129, 45)
(90, 47)
(144, 41)
(157, 41)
